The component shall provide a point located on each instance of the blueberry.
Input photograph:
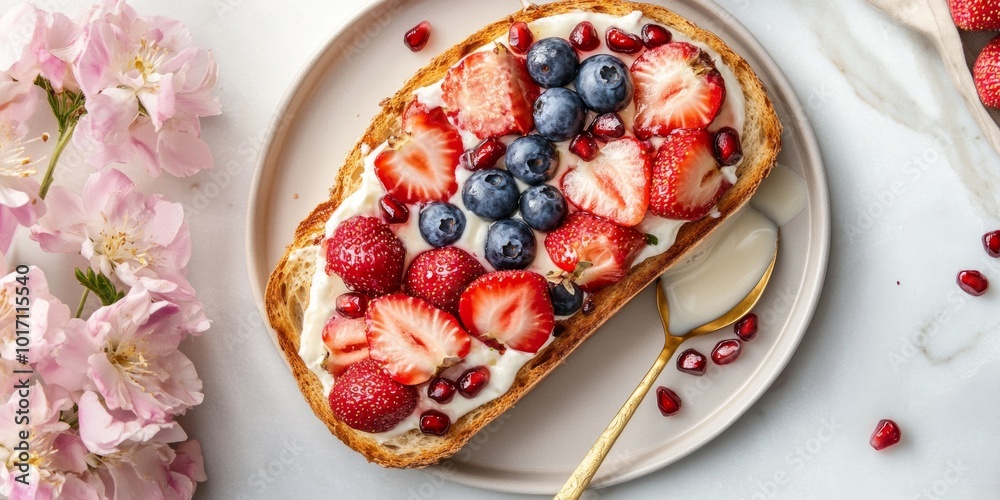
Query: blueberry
(491, 194)
(441, 224)
(542, 207)
(552, 62)
(565, 302)
(559, 114)
(532, 159)
(510, 244)
(604, 83)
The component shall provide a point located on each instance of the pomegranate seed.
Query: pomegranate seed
(441, 390)
(608, 126)
(520, 37)
(473, 381)
(434, 422)
(693, 362)
(973, 282)
(584, 146)
(668, 401)
(619, 40)
(726, 351)
(886, 434)
(486, 154)
(584, 37)
(352, 304)
(558, 329)
(647, 146)
(654, 35)
(417, 37)
(727, 147)
(746, 328)
(393, 210)
(588, 305)
(991, 241)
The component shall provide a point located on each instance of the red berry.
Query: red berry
(440, 275)
(421, 168)
(985, 75)
(608, 247)
(619, 40)
(588, 305)
(973, 282)
(975, 15)
(473, 381)
(367, 399)
(654, 35)
(417, 37)
(746, 328)
(614, 185)
(366, 254)
(608, 126)
(486, 154)
(886, 434)
(352, 304)
(676, 86)
(434, 422)
(693, 362)
(726, 146)
(584, 146)
(346, 340)
(726, 351)
(393, 210)
(508, 309)
(991, 242)
(520, 37)
(584, 37)
(441, 390)
(668, 401)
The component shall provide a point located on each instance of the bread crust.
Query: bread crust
(287, 292)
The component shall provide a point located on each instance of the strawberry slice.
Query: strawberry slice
(412, 339)
(490, 93)
(347, 342)
(439, 276)
(614, 185)
(676, 86)
(508, 309)
(598, 251)
(687, 181)
(421, 167)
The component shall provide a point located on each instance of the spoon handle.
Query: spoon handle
(584, 472)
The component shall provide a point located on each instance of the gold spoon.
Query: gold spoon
(585, 471)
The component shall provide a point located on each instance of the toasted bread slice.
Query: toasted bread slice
(287, 294)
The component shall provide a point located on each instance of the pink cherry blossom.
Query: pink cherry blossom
(19, 202)
(46, 317)
(36, 43)
(103, 431)
(176, 148)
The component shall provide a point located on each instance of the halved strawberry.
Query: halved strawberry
(421, 167)
(676, 86)
(366, 254)
(490, 93)
(687, 181)
(347, 342)
(508, 309)
(367, 399)
(439, 276)
(596, 249)
(412, 339)
(614, 185)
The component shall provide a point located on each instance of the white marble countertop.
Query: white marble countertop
(913, 187)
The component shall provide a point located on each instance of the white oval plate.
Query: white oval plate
(533, 448)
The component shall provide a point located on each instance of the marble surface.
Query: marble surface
(913, 187)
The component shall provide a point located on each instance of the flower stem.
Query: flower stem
(83, 302)
(64, 137)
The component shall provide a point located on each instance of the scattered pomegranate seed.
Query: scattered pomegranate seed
(520, 37)
(584, 146)
(584, 37)
(352, 304)
(647, 146)
(726, 351)
(654, 35)
(417, 37)
(991, 242)
(473, 381)
(973, 282)
(608, 126)
(588, 305)
(693, 362)
(886, 434)
(441, 390)
(486, 154)
(393, 210)
(619, 40)
(727, 147)
(746, 327)
(434, 422)
(667, 401)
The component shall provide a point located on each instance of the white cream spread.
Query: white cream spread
(503, 367)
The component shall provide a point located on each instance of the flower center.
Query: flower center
(148, 58)
(128, 357)
(14, 160)
(123, 243)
